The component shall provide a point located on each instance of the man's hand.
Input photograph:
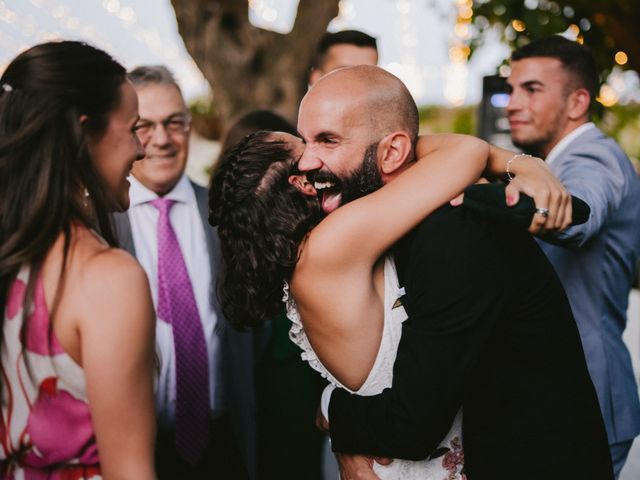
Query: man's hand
(356, 467)
(534, 178)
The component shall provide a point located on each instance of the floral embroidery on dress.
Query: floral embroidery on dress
(453, 460)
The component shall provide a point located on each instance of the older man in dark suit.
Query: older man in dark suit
(205, 394)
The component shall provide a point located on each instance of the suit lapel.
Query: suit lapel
(123, 232)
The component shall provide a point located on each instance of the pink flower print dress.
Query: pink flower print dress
(45, 427)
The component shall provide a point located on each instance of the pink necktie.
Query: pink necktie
(177, 306)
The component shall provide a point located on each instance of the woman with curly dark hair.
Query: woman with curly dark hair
(77, 318)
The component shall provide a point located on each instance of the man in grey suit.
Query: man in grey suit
(205, 396)
(553, 84)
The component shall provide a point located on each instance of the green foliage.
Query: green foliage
(606, 26)
(622, 122)
(438, 119)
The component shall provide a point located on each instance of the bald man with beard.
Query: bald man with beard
(490, 330)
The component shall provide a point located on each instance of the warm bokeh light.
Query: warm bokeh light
(504, 70)
(466, 12)
(608, 96)
(518, 25)
(621, 58)
(462, 30)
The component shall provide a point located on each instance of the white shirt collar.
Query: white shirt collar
(139, 194)
(564, 143)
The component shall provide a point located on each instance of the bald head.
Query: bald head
(374, 95)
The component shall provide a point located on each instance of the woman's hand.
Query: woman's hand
(533, 177)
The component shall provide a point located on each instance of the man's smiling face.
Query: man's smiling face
(338, 140)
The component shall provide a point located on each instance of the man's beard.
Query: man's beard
(366, 179)
(360, 182)
(532, 146)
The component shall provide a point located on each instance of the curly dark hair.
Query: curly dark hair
(261, 219)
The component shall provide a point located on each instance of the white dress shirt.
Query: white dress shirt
(187, 223)
(564, 143)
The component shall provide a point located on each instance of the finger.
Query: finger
(512, 193)
(383, 460)
(555, 208)
(457, 200)
(542, 200)
(538, 221)
(567, 212)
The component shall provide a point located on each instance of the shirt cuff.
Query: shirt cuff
(325, 399)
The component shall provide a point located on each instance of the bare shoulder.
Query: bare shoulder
(106, 272)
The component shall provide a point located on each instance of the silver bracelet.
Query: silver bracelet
(517, 155)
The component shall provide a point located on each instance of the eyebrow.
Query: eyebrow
(174, 114)
(326, 134)
(532, 83)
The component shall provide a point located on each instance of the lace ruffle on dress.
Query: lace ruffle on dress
(447, 461)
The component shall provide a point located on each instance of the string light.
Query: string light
(456, 73)
(518, 25)
(408, 69)
(621, 58)
(67, 25)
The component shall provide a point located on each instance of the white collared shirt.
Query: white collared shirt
(187, 224)
(564, 143)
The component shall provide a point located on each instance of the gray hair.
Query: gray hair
(152, 74)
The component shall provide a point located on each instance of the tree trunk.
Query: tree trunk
(248, 67)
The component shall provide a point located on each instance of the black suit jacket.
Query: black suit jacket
(238, 349)
(490, 331)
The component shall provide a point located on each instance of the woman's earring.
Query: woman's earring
(85, 202)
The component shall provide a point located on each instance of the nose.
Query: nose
(308, 161)
(513, 104)
(159, 136)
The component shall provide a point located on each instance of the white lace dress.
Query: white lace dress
(446, 462)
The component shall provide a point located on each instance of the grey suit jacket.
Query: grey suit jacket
(596, 263)
(237, 348)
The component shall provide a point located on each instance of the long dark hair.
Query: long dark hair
(262, 220)
(44, 163)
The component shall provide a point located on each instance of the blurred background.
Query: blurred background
(441, 49)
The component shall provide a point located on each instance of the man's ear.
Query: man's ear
(393, 152)
(315, 75)
(301, 183)
(579, 102)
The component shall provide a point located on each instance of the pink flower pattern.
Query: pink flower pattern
(453, 460)
(46, 435)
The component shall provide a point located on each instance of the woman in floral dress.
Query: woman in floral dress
(77, 322)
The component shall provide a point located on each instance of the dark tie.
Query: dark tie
(177, 306)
